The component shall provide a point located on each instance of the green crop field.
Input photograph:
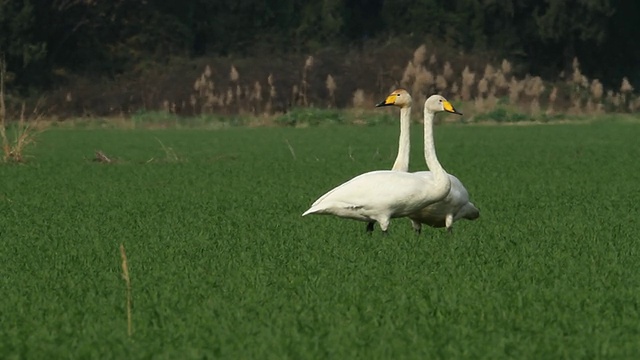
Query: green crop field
(222, 265)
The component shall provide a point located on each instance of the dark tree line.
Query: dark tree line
(42, 39)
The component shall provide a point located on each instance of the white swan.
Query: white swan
(455, 205)
(444, 213)
(378, 196)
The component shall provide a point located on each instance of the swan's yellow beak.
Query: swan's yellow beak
(449, 108)
(390, 100)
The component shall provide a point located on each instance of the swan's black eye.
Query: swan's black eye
(397, 94)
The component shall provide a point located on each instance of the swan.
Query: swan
(379, 196)
(455, 205)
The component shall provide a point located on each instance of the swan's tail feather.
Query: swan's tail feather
(333, 208)
(312, 210)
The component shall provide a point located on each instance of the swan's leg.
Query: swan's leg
(370, 227)
(448, 221)
(417, 227)
(384, 225)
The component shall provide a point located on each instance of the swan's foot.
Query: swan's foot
(418, 231)
(385, 233)
(450, 231)
(370, 228)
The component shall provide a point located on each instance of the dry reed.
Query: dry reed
(484, 86)
(331, 88)
(127, 280)
(359, 99)
(25, 130)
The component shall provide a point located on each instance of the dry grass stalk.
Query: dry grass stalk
(101, 157)
(25, 133)
(272, 94)
(576, 76)
(579, 88)
(441, 83)
(331, 88)
(6, 150)
(127, 280)
(491, 101)
(233, 74)
(634, 105)
(534, 107)
(553, 95)
(166, 107)
(234, 95)
(626, 86)
(576, 106)
(479, 104)
(272, 87)
(308, 64)
(433, 60)
(505, 67)
(293, 153)
(500, 81)
(613, 98)
(597, 90)
(468, 79)
(447, 71)
(415, 72)
(578, 79)
(419, 55)
(489, 72)
(256, 97)
(533, 86)
(625, 94)
(229, 99)
(204, 92)
(304, 84)
(169, 153)
(359, 98)
(409, 74)
(422, 83)
(594, 104)
(454, 88)
(295, 94)
(552, 100)
(515, 87)
(483, 87)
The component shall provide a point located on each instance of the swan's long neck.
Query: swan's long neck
(442, 183)
(404, 144)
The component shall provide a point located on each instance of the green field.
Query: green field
(223, 265)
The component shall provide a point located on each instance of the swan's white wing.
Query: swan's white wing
(390, 192)
(359, 187)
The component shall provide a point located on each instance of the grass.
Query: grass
(221, 264)
(296, 117)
